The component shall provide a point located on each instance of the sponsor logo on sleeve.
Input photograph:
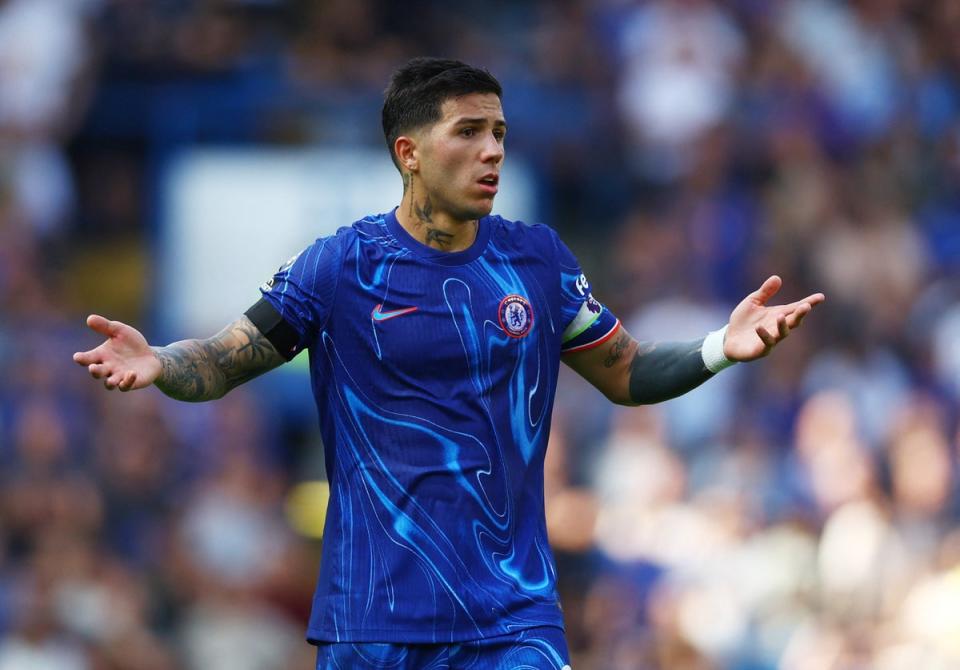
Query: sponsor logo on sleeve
(267, 285)
(583, 286)
(592, 304)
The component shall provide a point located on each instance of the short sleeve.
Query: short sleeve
(586, 322)
(303, 289)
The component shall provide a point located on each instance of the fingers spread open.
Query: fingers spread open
(98, 370)
(795, 318)
(113, 380)
(768, 339)
(101, 325)
(87, 357)
(811, 301)
(128, 381)
(767, 290)
(782, 328)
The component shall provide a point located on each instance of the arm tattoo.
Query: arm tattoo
(196, 370)
(665, 370)
(616, 351)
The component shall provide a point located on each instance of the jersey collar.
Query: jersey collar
(439, 256)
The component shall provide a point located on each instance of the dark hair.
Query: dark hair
(419, 88)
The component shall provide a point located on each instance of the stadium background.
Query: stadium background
(799, 513)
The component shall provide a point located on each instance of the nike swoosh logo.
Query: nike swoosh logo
(383, 316)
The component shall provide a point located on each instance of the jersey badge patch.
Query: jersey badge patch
(516, 315)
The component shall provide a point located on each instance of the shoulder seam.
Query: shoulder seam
(558, 295)
(336, 286)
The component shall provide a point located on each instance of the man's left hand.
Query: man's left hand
(756, 328)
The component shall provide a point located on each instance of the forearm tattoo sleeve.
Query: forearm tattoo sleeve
(663, 370)
(197, 370)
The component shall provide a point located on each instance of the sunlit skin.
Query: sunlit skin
(442, 166)
(451, 171)
(754, 329)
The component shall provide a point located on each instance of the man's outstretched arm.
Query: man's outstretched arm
(191, 370)
(633, 373)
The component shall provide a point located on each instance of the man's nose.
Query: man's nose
(492, 149)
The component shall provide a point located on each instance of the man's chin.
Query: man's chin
(472, 209)
(479, 210)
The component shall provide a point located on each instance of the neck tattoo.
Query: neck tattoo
(423, 212)
(421, 215)
(442, 238)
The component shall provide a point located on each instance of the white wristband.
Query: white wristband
(712, 351)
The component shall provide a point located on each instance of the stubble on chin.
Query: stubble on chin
(472, 213)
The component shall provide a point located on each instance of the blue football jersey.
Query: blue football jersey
(434, 375)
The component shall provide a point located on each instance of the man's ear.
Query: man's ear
(405, 148)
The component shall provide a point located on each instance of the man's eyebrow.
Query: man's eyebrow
(477, 120)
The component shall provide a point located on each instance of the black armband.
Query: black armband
(274, 327)
(665, 370)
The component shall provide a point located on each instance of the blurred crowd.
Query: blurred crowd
(798, 513)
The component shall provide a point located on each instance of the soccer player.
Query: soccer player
(435, 334)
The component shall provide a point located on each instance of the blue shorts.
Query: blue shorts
(543, 648)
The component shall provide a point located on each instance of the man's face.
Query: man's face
(461, 155)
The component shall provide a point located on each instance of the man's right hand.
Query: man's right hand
(124, 361)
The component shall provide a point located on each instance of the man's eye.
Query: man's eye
(467, 132)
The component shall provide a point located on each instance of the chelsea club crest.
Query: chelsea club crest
(516, 315)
